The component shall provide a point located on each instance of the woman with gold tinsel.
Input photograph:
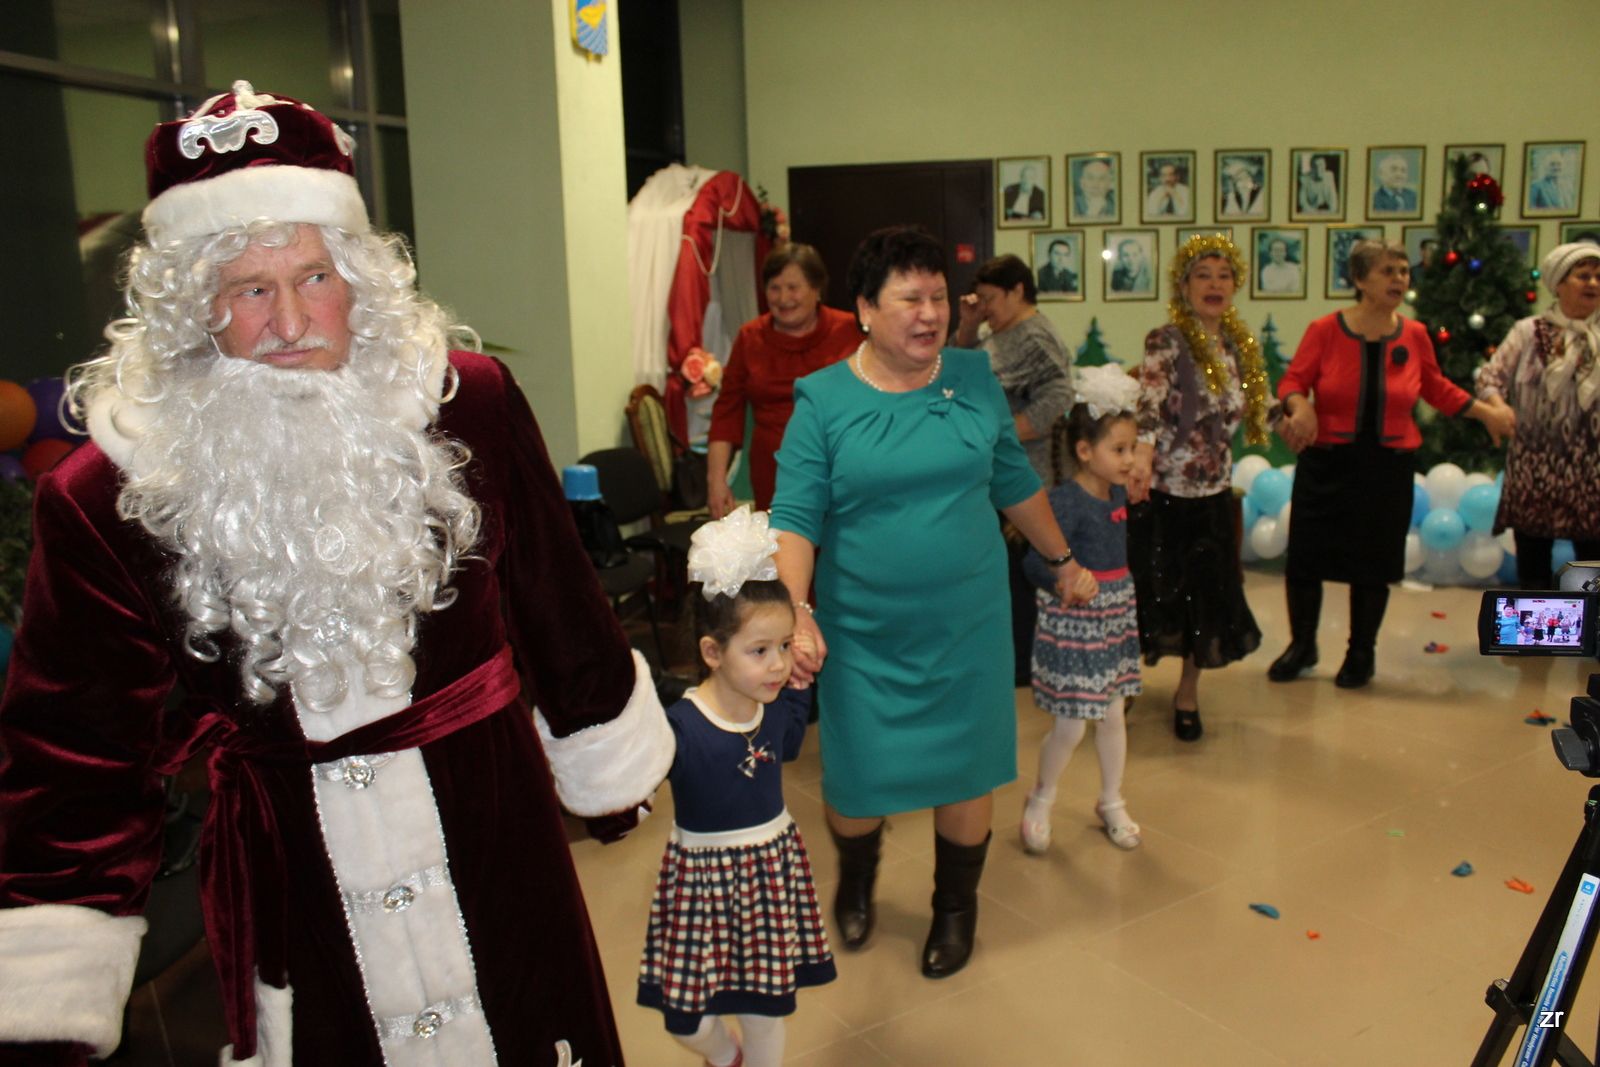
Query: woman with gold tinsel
(1202, 376)
(1348, 403)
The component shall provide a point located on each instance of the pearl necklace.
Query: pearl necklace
(938, 364)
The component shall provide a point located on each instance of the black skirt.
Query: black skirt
(1184, 555)
(1352, 508)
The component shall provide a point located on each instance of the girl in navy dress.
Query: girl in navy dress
(734, 925)
(1086, 657)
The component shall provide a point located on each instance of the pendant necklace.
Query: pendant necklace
(754, 756)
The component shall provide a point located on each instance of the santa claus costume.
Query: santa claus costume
(385, 877)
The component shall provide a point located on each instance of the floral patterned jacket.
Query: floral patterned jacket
(1191, 427)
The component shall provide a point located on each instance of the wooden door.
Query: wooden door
(833, 208)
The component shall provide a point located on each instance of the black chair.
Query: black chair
(629, 486)
(627, 573)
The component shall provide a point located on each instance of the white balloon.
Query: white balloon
(1476, 478)
(1414, 550)
(1418, 479)
(1269, 538)
(1288, 468)
(1247, 552)
(1283, 517)
(1507, 541)
(1245, 471)
(1442, 566)
(1445, 484)
(1480, 555)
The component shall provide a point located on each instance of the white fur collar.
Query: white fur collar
(116, 420)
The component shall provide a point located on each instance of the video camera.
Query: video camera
(1559, 622)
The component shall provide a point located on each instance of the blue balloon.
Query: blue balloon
(1443, 530)
(5, 647)
(1478, 506)
(1419, 505)
(1500, 479)
(1270, 491)
(1251, 513)
(1561, 554)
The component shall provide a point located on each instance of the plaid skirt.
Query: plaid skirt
(734, 928)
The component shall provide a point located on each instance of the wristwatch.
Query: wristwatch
(1059, 561)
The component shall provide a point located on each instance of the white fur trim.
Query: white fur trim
(274, 1030)
(618, 764)
(65, 974)
(238, 197)
(114, 423)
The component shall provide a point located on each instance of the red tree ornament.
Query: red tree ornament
(1451, 258)
(1482, 189)
(1443, 335)
(1532, 295)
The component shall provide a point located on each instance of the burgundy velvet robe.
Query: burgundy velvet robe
(86, 725)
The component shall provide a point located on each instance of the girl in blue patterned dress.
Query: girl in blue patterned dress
(734, 924)
(1086, 657)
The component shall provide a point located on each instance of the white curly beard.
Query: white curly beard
(307, 517)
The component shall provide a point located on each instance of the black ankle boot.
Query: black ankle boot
(1367, 605)
(1305, 610)
(957, 870)
(858, 872)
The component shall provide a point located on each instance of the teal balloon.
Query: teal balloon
(1508, 570)
(1478, 506)
(1251, 514)
(1270, 491)
(1419, 505)
(5, 646)
(1561, 554)
(1442, 529)
(1500, 479)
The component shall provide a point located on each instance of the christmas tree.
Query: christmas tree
(1092, 353)
(1275, 450)
(1470, 295)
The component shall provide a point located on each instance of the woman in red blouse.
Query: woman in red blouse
(796, 336)
(1347, 400)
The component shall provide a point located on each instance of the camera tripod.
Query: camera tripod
(1540, 992)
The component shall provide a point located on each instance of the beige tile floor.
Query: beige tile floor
(1345, 810)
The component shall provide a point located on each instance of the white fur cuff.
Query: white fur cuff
(65, 974)
(617, 765)
(274, 1030)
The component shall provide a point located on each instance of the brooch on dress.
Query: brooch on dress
(1399, 355)
(754, 756)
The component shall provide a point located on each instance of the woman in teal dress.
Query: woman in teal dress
(888, 478)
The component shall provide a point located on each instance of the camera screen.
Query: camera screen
(1548, 624)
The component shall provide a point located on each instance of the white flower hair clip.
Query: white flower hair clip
(738, 548)
(1107, 390)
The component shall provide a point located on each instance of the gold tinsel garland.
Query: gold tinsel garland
(1252, 369)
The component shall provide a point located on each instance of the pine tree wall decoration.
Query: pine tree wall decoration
(1093, 353)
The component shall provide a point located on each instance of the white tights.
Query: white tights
(1110, 745)
(763, 1040)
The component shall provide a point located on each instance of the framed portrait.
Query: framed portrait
(1317, 183)
(1580, 231)
(1526, 240)
(1058, 263)
(1394, 181)
(1280, 254)
(1094, 188)
(1186, 232)
(1422, 247)
(1022, 192)
(1168, 189)
(1552, 175)
(1487, 159)
(1132, 261)
(1244, 180)
(1341, 239)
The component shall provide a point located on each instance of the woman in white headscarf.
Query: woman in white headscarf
(1548, 370)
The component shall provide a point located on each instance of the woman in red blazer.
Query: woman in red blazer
(1347, 400)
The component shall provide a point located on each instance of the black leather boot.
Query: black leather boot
(1367, 605)
(853, 912)
(957, 870)
(1305, 610)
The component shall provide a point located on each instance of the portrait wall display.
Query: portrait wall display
(1243, 184)
(1168, 189)
(1094, 188)
(1132, 263)
(1317, 184)
(1580, 231)
(1552, 175)
(1186, 232)
(1422, 247)
(1341, 239)
(1022, 192)
(1394, 181)
(1487, 159)
(1278, 258)
(1526, 240)
(1058, 263)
